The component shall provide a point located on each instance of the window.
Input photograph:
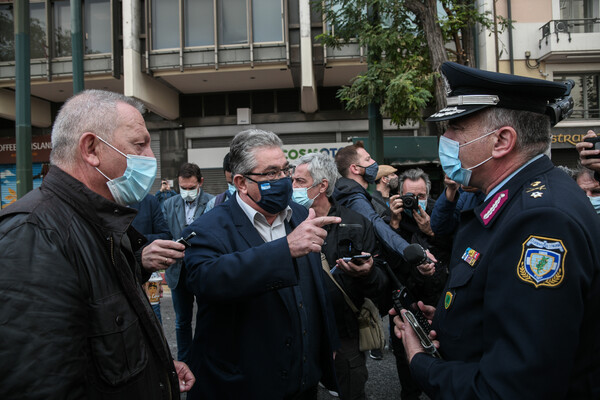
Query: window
(231, 15)
(232, 19)
(580, 12)
(37, 30)
(199, 27)
(95, 25)
(267, 20)
(585, 95)
(62, 28)
(7, 35)
(165, 21)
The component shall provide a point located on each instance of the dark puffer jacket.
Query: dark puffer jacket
(74, 321)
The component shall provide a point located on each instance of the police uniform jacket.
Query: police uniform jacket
(75, 322)
(518, 318)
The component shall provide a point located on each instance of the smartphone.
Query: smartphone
(184, 241)
(596, 142)
(427, 344)
(357, 259)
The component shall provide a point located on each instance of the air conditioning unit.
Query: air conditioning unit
(244, 116)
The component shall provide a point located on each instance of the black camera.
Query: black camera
(410, 201)
(562, 107)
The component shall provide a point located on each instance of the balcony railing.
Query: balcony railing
(568, 26)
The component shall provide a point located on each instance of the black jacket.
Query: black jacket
(427, 288)
(344, 241)
(74, 321)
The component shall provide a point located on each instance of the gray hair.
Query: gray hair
(581, 171)
(321, 166)
(414, 175)
(89, 111)
(533, 129)
(242, 158)
(569, 171)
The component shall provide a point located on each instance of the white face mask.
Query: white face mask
(189, 195)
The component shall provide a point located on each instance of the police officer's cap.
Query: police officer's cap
(470, 90)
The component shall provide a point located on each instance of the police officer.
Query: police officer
(518, 318)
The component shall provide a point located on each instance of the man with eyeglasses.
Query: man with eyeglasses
(265, 329)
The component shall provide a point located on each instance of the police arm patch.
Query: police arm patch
(542, 261)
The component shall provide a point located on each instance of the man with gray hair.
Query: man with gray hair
(410, 218)
(314, 181)
(75, 320)
(265, 329)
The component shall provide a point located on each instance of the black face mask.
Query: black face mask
(275, 195)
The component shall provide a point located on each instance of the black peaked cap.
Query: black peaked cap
(481, 89)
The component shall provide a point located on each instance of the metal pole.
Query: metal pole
(23, 98)
(375, 119)
(77, 46)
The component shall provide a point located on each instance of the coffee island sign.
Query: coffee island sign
(40, 149)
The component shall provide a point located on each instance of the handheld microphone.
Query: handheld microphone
(415, 255)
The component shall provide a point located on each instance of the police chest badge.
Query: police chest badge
(542, 261)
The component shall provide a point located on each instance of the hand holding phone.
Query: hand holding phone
(357, 259)
(596, 142)
(185, 241)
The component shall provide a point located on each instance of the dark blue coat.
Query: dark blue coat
(446, 214)
(245, 342)
(150, 220)
(519, 317)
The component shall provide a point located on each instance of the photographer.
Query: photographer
(410, 218)
(314, 181)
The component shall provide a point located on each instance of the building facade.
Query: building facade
(207, 69)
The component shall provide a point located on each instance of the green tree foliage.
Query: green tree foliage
(405, 49)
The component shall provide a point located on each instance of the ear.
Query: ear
(354, 169)
(201, 182)
(88, 148)
(506, 141)
(324, 186)
(240, 183)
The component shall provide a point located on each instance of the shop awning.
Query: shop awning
(407, 149)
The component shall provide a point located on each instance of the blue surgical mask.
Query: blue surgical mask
(231, 189)
(300, 196)
(448, 152)
(370, 172)
(136, 181)
(274, 195)
(596, 203)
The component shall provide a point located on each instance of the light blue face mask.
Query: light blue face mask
(231, 189)
(448, 152)
(596, 203)
(136, 181)
(300, 196)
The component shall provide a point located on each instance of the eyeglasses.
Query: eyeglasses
(276, 173)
